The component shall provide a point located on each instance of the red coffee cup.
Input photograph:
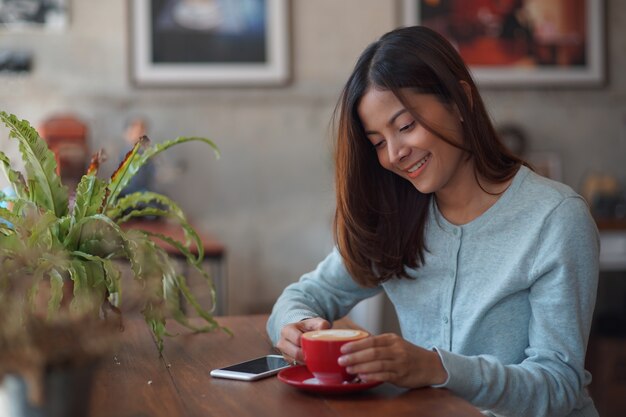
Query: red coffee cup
(321, 350)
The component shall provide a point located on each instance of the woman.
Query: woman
(491, 268)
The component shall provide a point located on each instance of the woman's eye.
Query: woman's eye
(379, 144)
(407, 127)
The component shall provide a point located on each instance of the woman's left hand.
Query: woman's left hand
(390, 358)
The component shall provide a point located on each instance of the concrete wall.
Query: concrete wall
(270, 197)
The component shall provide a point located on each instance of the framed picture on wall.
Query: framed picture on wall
(520, 42)
(33, 14)
(15, 61)
(209, 42)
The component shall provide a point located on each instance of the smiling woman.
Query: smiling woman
(493, 287)
(404, 79)
(407, 147)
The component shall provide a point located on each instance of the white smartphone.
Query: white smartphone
(253, 369)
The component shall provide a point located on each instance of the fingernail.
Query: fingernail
(342, 360)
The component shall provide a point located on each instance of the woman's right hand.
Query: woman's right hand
(289, 343)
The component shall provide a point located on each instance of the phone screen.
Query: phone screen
(253, 369)
(259, 365)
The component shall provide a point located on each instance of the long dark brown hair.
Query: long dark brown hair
(380, 217)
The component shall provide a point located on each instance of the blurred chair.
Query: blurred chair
(66, 136)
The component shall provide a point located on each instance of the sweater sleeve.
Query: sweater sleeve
(563, 283)
(328, 292)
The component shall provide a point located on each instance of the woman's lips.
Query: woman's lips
(418, 167)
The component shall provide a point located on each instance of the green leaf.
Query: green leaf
(56, 292)
(157, 325)
(157, 149)
(96, 161)
(16, 179)
(89, 288)
(129, 204)
(8, 216)
(184, 250)
(78, 274)
(40, 233)
(46, 189)
(89, 195)
(95, 276)
(142, 199)
(128, 246)
(123, 174)
(173, 284)
(62, 228)
(113, 280)
(135, 160)
(182, 284)
(112, 275)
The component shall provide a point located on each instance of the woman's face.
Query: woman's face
(407, 148)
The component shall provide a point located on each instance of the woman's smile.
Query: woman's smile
(417, 168)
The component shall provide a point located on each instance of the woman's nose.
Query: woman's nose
(398, 151)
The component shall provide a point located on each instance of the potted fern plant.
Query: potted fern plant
(61, 274)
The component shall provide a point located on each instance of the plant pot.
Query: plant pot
(65, 393)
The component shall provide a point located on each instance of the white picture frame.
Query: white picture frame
(251, 43)
(555, 37)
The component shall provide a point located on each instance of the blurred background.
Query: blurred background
(270, 198)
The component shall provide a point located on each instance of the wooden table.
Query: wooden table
(135, 382)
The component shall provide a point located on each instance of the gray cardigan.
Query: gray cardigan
(506, 300)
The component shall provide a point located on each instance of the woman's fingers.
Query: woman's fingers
(289, 350)
(373, 354)
(370, 347)
(290, 335)
(392, 359)
(378, 358)
(380, 341)
(316, 323)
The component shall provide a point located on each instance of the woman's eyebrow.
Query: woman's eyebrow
(390, 122)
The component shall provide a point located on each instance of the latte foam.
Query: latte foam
(335, 334)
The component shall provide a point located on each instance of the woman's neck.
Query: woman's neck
(466, 199)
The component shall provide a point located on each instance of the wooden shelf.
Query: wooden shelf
(605, 224)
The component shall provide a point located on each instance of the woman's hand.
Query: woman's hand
(289, 343)
(390, 358)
